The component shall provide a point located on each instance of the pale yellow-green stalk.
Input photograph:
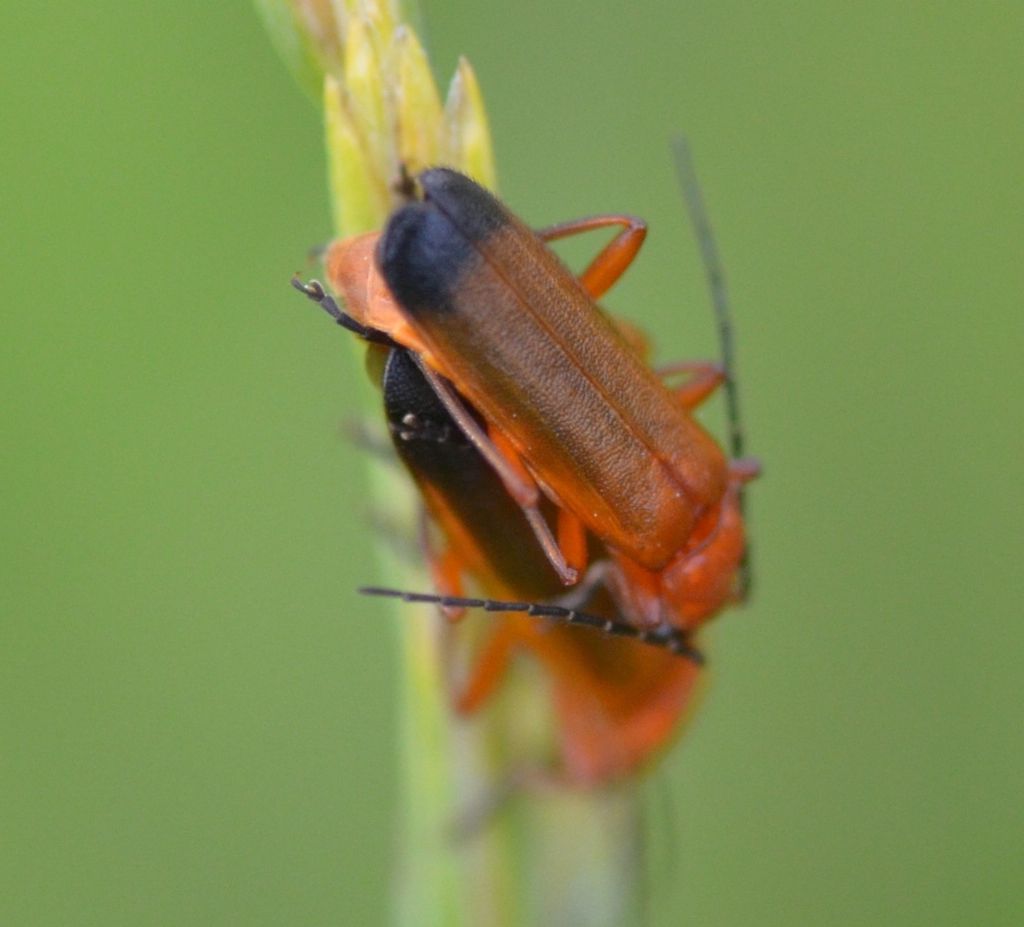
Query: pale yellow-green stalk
(552, 857)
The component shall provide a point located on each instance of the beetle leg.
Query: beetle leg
(445, 569)
(637, 592)
(580, 595)
(572, 539)
(569, 530)
(519, 485)
(705, 377)
(488, 670)
(613, 259)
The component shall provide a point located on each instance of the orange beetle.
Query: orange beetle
(570, 410)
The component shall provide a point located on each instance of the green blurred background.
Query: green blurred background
(198, 713)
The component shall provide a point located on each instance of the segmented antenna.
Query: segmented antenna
(715, 274)
(314, 290)
(670, 639)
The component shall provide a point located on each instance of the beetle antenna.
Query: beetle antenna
(314, 291)
(715, 274)
(671, 639)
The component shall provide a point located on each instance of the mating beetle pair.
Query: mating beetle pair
(515, 402)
